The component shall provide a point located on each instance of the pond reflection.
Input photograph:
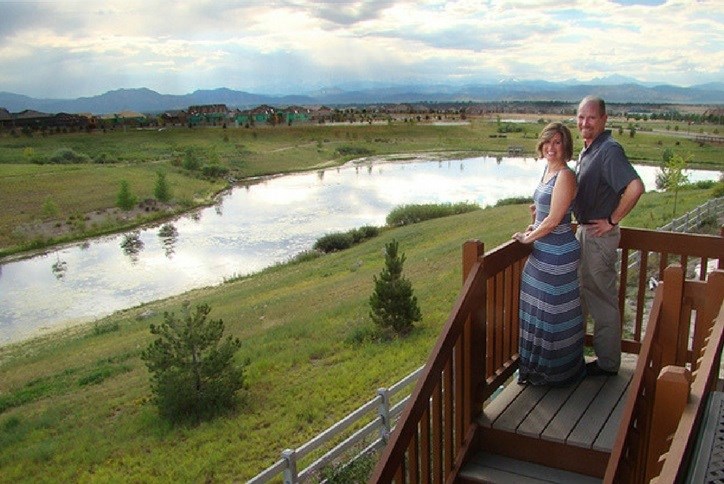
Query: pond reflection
(132, 245)
(168, 236)
(250, 228)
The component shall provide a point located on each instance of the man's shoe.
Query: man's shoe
(592, 369)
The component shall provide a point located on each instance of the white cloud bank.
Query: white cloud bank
(67, 49)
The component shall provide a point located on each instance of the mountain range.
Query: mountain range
(615, 89)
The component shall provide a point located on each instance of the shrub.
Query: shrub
(214, 171)
(353, 151)
(162, 191)
(414, 213)
(334, 242)
(344, 240)
(50, 208)
(125, 200)
(103, 159)
(66, 156)
(513, 201)
(364, 232)
(393, 304)
(193, 372)
(191, 161)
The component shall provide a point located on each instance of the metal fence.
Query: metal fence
(377, 417)
(695, 218)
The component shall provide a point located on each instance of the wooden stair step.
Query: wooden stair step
(491, 468)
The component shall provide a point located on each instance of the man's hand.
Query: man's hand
(599, 227)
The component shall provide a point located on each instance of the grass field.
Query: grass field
(74, 406)
(28, 188)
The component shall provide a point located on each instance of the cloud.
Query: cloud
(83, 47)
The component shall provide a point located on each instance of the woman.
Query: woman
(551, 323)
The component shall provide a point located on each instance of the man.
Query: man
(608, 188)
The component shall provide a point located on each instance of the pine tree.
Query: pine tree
(125, 200)
(162, 191)
(393, 304)
(193, 372)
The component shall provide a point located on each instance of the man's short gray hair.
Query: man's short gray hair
(594, 99)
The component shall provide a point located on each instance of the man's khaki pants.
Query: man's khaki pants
(599, 297)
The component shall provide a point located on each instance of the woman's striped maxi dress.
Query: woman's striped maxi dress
(551, 323)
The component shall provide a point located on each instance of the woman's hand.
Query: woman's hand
(522, 237)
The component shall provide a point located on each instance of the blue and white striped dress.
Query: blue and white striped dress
(551, 322)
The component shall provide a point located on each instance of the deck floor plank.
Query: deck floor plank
(541, 415)
(565, 420)
(596, 415)
(600, 410)
(498, 405)
(519, 409)
(607, 437)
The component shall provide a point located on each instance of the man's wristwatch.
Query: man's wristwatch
(611, 221)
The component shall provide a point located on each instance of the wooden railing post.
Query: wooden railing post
(671, 396)
(673, 345)
(472, 251)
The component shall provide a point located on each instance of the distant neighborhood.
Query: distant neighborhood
(220, 115)
(214, 115)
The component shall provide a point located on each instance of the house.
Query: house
(207, 114)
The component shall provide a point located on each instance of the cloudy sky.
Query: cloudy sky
(68, 49)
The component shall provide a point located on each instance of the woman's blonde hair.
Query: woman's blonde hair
(549, 132)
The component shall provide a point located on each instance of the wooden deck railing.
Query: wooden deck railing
(667, 466)
(476, 351)
(652, 408)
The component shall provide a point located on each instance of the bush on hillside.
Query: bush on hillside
(67, 156)
(353, 150)
(337, 241)
(334, 242)
(513, 201)
(414, 213)
(193, 372)
(214, 171)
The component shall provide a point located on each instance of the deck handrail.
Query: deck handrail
(437, 428)
(477, 349)
(666, 343)
(681, 443)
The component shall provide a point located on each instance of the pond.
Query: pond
(250, 228)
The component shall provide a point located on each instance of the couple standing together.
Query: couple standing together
(568, 275)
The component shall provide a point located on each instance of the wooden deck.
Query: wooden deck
(534, 423)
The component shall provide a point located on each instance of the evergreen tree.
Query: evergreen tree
(162, 191)
(125, 200)
(193, 372)
(393, 304)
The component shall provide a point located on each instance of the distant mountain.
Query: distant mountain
(615, 89)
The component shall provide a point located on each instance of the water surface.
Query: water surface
(250, 228)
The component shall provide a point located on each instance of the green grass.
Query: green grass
(136, 155)
(74, 406)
